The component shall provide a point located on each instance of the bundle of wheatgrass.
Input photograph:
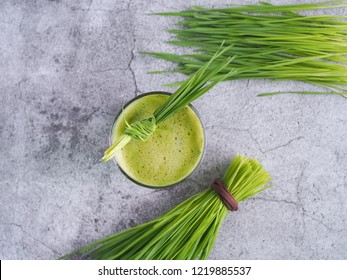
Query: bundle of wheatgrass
(268, 41)
(189, 230)
(206, 77)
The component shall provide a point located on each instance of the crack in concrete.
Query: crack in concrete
(89, 9)
(32, 237)
(248, 130)
(240, 130)
(197, 183)
(299, 202)
(132, 70)
(317, 220)
(19, 85)
(318, 190)
(87, 117)
(296, 204)
(109, 69)
(302, 208)
(93, 10)
(256, 141)
(243, 251)
(284, 145)
(132, 52)
(21, 24)
(299, 205)
(277, 200)
(102, 111)
(229, 127)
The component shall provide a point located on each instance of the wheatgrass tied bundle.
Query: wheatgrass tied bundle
(189, 230)
(280, 42)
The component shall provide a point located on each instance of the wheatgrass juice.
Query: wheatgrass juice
(170, 154)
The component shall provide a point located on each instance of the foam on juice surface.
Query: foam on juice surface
(170, 154)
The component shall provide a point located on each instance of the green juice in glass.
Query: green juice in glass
(170, 154)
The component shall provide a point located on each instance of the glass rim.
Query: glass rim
(150, 186)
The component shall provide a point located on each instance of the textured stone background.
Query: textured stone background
(66, 67)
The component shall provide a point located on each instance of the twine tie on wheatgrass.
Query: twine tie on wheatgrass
(224, 195)
(142, 129)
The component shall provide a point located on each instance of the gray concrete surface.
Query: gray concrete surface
(66, 67)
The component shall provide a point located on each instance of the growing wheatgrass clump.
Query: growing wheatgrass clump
(206, 77)
(274, 42)
(189, 230)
